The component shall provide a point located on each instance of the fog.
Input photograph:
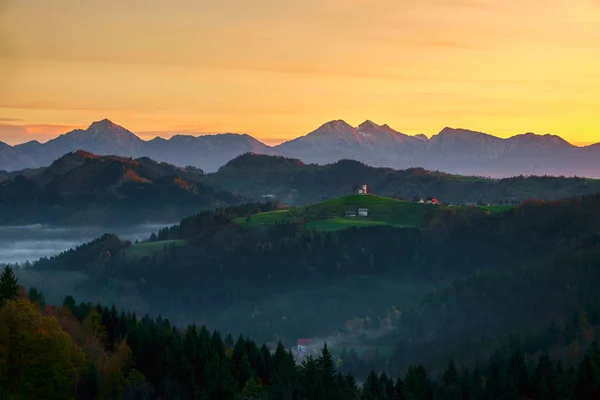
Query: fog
(29, 243)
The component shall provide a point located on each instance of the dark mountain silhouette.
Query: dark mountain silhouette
(459, 151)
(81, 187)
(294, 182)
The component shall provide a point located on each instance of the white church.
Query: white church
(362, 189)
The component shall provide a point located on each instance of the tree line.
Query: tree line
(86, 351)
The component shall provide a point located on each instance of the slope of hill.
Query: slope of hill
(330, 215)
(458, 151)
(465, 278)
(84, 188)
(294, 182)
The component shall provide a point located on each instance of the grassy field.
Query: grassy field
(139, 250)
(496, 208)
(330, 215)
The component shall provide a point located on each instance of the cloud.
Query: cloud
(12, 134)
(16, 134)
(10, 119)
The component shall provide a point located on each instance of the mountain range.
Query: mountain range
(457, 151)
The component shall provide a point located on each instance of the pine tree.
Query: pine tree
(9, 290)
(36, 296)
(388, 386)
(371, 389)
(326, 370)
(309, 375)
(399, 389)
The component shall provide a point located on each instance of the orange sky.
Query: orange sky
(278, 69)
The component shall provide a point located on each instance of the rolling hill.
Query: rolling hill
(330, 215)
(83, 188)
(297, 183)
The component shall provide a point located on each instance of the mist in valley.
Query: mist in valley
(20, 244)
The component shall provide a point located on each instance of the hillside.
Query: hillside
(83, 188)
(296, 183)
(330, 215)
(87, 351)
(284, 282)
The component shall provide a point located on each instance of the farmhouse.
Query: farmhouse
(363, 212)
(362, 189)
(350, 213)
(303, 345)
(432, 200)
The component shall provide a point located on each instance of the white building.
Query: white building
(363, 212)
(362, 189)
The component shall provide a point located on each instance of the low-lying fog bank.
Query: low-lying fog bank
(19, 244)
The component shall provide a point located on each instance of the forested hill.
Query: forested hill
(463, 279)
(82, 188)
(86, 351)
(292, 181)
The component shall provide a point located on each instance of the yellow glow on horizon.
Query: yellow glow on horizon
(277, 70)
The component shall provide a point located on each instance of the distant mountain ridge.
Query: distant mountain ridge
(452, 150)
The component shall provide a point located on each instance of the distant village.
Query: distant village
(364, 212)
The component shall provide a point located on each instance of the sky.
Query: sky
(279, 69)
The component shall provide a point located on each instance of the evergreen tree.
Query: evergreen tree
(326, 371)
(36, 296)
(309, 379)
(387, 385)
(351, 389)
(9, 290)
(519, 384)
(544, 379)
(399, 389)
(371, 388)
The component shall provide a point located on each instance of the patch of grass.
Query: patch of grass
(496, 208)
(140, 250)
(330, 214)
(334, 224)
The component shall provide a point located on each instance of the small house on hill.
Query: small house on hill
(303, 345)
(362, 189)
(432, 200)
(363, 212)
(350, 213)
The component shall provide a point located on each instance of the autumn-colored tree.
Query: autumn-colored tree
(113, 372)
(82, 336)
(38, 360)
(94, 328)
(253, 389)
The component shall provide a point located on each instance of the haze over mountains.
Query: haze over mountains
(452, 150)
